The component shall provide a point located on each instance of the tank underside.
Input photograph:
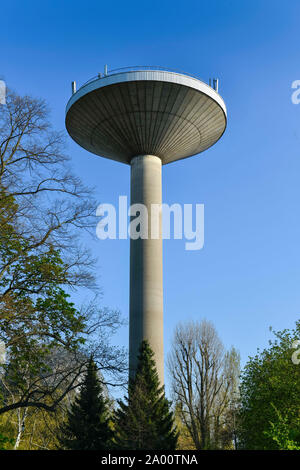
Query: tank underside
(154, 117)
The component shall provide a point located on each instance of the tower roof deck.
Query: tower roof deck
(146, 110)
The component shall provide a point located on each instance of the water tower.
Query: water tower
(146, 117)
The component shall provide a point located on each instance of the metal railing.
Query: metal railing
(135, 68)
(152, 67)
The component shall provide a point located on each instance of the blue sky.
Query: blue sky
(247, 276)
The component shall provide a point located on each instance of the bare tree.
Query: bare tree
(42, 204)
(225, 410)
(202, 376)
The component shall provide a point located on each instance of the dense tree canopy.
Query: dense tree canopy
(270, 395)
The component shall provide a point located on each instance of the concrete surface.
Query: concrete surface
(166, 114)
(146, 273)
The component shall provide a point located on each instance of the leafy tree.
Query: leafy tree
(43, 207)
(48, 348)
(39, 256)
(34, 427)
(42, 204)
(87, 426)
(270, 395)
(144, 420)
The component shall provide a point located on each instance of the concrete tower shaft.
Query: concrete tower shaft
(146, 272)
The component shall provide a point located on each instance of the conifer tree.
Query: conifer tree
(144, 420)
(87, 426)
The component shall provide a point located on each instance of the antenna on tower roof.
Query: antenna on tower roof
(73, 87)
(216, 84)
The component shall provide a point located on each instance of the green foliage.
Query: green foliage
(282, 434)
(43, 209)
(37, 319)
(270, 395)
(35, 313)
(144, 420)
(38, 430)
(87, 426)
(5, 442)
(31, 328)
(185, 440)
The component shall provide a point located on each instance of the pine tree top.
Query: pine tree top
(144, 419)
(87, 426)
